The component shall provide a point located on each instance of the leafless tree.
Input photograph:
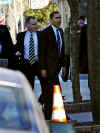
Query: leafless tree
(74, 4)
(94, 55)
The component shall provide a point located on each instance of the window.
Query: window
(14, 112)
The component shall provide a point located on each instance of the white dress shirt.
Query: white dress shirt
(27, 43)
(55, 29)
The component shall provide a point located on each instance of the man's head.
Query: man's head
(31, 24)
(55, 18)
(81, 19)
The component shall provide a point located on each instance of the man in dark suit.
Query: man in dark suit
(28, 49)
(6, 45)
(52, 59)
(83, 54)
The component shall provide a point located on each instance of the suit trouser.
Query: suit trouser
(31, 71)
(48, 96)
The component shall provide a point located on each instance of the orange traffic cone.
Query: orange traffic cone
(58, 111)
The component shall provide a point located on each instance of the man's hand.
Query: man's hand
(18, 53)
(65, 73)
(43, 73)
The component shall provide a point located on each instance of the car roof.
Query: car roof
(12, 76)
(17, 79)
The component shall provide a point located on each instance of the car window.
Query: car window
(14, 112)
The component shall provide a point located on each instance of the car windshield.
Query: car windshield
(14, 111)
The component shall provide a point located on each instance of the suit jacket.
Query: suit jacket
(50, 58)
(20, 44)
(6, 43)
(83, 54)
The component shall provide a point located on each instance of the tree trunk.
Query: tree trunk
(94, 55)
(74, 4)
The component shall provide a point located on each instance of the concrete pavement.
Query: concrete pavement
(80, 113)
(79, 116)
(67, 88)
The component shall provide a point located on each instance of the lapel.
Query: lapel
(61, 32)
(38, 36)
(52, 34)
(53, 37)
(23, 36)
(21, 44)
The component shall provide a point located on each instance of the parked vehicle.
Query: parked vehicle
(19, 109)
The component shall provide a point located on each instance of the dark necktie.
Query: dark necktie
(31, 50)
(58, 41)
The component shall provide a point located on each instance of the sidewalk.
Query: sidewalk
(67, 91)
(67, 88)
(80, 113)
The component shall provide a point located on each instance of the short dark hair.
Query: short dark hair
(82, 17)
(53, 13)
(28, 18)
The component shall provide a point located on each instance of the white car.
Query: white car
(19, 109)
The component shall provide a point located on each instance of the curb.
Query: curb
(78, 107)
